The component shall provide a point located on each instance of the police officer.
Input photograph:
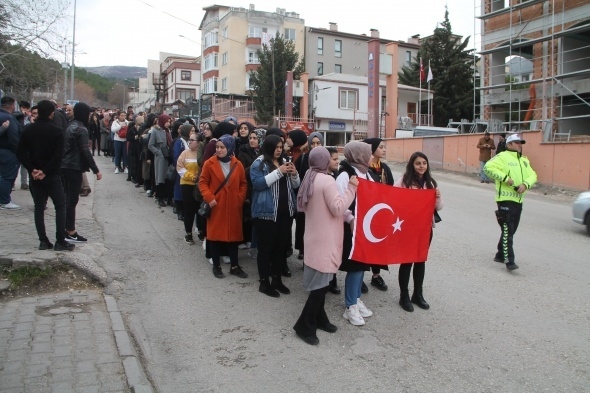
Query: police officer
(513, 175)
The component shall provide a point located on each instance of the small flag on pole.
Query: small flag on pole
(430, 77)
(422, 75)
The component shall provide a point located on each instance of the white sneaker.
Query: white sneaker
(225, 259)
(242, 246)
(205, 244)
(363, 310)
(10, 206)
(117, 171)
(126, 170)
(353, 315)
(210, 260)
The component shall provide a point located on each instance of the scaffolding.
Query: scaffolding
(534, 68)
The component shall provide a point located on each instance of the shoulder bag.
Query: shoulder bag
(204, 209)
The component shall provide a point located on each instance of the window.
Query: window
(249, 84)
(185, 75)
(211, 39)
(320, 46)
(185, 94)
(224, 59)
(210, 85)
(338, 68)
(348, 99)
(255, 31)
(224, 34)
(211, 61)
(224, 84)
(320, 68)
(290, 34)
(408, 57)
(338, 48)
(252, 58)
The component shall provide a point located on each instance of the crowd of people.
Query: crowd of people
(236, 186)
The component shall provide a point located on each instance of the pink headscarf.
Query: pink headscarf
(319, 161)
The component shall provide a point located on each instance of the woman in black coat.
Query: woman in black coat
(94, 132)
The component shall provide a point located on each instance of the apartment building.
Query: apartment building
(331, 51)
(231, 37)
(180, 78)
(552, 35)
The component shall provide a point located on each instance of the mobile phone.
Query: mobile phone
(287, 159)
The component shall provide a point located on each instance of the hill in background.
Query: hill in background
(118, 72)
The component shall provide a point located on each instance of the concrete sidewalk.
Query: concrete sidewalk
(73, 341)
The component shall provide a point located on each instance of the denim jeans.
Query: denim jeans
(120, 154)
(49, 187)
(8, 172)
(482, 175)
(71, 180)
(352, 287)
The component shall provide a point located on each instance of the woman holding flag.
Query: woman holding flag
(324, 206)
(358, 155)
(417, 176)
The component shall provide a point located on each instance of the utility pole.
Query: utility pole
(73, 54)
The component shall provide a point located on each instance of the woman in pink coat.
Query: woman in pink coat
(324, 208)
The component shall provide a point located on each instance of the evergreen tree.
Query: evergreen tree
(452, 71)
(268, 82)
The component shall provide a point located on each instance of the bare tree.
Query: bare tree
(32, 25)
(84, 93)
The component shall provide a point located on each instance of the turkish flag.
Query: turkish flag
(422, 75)
(392, 224)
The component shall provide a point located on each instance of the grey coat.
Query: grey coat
(159, 148)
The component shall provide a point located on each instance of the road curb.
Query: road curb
(136, 376)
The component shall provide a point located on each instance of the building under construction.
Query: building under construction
(535, 67)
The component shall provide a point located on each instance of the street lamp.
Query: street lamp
(65, 66)
(73, 53)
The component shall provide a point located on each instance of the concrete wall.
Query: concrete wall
(557, 164)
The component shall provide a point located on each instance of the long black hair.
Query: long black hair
(411, 179)
(267, 151)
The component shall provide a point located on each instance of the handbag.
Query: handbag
(437, 218)
(204, 209)
(171, 172)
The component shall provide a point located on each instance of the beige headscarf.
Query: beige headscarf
(358, 154)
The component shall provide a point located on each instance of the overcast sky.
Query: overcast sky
(128, 32)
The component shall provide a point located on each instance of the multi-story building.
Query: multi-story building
(554, 35)
(232, 36)
(331, 51)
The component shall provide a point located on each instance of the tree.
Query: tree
(32, 25)
(84, 93)
(268, 82)
(452, 69)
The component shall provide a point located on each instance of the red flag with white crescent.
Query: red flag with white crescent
(392, 224)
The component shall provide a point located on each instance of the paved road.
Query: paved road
(487, 330)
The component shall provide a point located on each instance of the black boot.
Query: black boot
(267, 289)
(161, 202)
(418, 299)
(333, 287)
(404, 301)
(277, 284)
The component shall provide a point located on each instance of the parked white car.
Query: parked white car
(581, 210)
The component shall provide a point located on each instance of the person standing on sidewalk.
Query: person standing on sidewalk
(485, 146)
(9, 136)
(514, 176)
(119, 128)
(77, 160)
(40, 151)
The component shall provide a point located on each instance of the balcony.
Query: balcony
(252, 41)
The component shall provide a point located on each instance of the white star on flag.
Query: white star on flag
(397, 226)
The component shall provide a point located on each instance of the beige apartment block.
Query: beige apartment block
(231, 37)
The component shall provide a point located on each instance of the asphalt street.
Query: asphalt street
(488, 329)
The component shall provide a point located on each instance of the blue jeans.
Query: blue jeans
(8, 172)
(120, 152)
(482, 174)
(352, 287)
